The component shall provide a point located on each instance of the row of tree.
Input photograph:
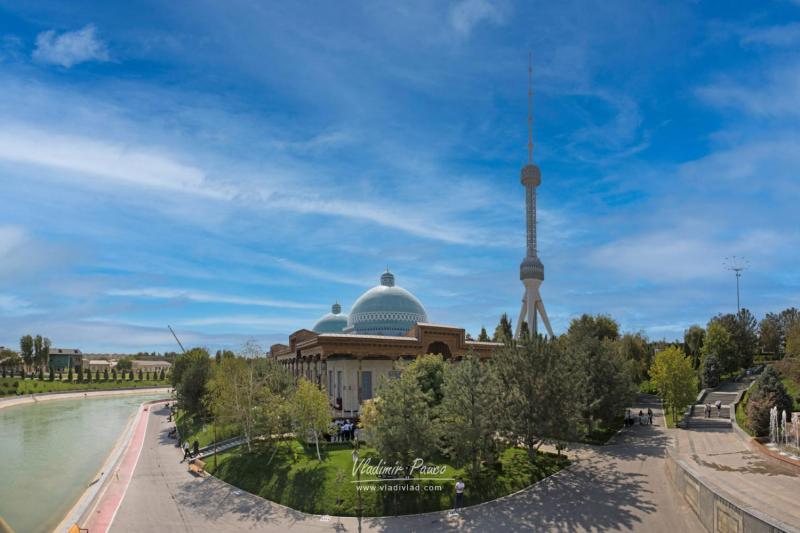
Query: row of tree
(34, 351)
(529, 392)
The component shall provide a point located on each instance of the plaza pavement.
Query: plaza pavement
(619, 487)
(744, 476)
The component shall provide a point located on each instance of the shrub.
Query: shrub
(767, 392)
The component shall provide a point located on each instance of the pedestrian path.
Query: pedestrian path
(619, 487)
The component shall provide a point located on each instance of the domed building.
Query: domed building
(385, 309)
(350, 355)
(333, 322)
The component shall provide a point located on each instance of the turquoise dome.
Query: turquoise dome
(333, 322)
(385, 310)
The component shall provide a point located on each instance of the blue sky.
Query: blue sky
(234, 168)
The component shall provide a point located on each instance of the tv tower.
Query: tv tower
(531, 271)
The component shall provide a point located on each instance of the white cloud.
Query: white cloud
(11, 238)
(467, 14)
(104, 160)
(783, 35)
(679, 254)
(70, 48)
(163, 293)
(774, 95)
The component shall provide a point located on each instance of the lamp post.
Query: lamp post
(736, 265)
(358, 483)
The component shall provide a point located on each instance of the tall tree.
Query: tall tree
(46, 352)
(719, 343)
(26, 350)
(770, 335)
(743, 330)
(793, 339)
(483, 337)
(600, 327)
(634, 347)
(404, 426)
(524, 330)
(541, 396)
(469, 413)
(693, 339)
(191, 386)
(711, 371)
(675, 379)
(503, 331)
(429, 371)
(310, 412)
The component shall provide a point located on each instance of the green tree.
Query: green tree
(524, 330)
(37, 351)
(675, 379)
(114, 374)
(310, 413)
(711, 371)
(87, 376)
(97, 375)
(503, 331)
(26, 350)
(195, 373)
(50, 376)
(469, 413)
(768, 391)
(634, 347)
(693, 339)
(404, 426)
(540, 394)
(429, 371)
(742, 328)
(105, 374)
(793, 339)
(124, 364)
(483, 337)
(770, 335)
(69, 375)
(600, 327)
(719, 343)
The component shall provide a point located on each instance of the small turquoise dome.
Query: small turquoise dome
(333, 322)
(385, 310)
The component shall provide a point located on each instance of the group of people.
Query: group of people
(342, 430)
(643, 418)
(190, 453)
(718, 405)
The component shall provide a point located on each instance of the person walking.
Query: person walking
(195, 448)
(650, 415)
(641, 417)
(719, 408)
(459, 495)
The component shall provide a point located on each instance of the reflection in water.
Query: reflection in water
(50, 451)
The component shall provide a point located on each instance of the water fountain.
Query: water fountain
(784, 433)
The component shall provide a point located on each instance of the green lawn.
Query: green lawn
(668, 416)
(17, 386)
(295, 478)
(195, 428)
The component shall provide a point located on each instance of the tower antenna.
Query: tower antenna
(176, 338)
(530, 107)
(737, 265)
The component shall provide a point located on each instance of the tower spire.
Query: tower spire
(530, 107)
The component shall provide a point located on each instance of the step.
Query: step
(699, 411)
(709, 423)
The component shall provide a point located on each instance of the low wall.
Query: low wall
(717, 511)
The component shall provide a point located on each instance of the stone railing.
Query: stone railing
(717, 510)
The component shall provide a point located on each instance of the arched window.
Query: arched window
(440, 348)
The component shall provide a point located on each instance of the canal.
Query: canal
(50, 452)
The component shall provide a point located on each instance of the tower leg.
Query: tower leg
(540, 305)
(531, 298)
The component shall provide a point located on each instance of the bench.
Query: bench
(196, 466)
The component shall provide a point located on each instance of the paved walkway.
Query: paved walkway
(619, 487)
(751, 479)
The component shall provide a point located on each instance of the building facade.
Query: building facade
(62, 359)
(349, 356)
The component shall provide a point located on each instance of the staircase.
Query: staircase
(722, 420)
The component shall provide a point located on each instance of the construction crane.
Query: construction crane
(176, 338)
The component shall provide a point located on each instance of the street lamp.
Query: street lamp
(358, 483)
(737, 266)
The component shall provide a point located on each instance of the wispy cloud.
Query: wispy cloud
(466, 15)
(162, 293)
(70, 48)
